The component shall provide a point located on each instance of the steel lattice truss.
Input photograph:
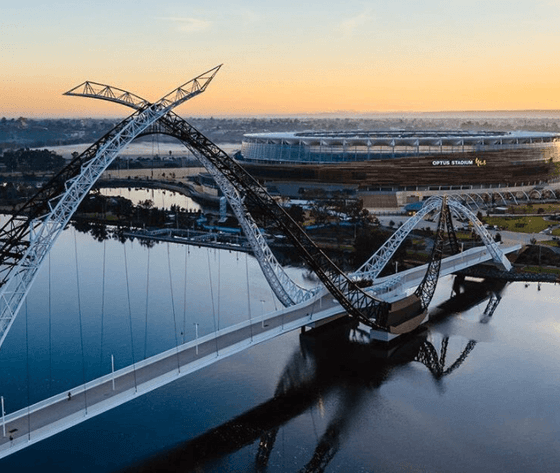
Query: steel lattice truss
(375, 264)
(246, 194)
(287, 291)
(426, 289)
(428, 356)
(28, 237)
(498, 256)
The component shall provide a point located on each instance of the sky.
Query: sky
(282, 57)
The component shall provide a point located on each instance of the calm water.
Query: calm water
(490, 405)
(162, 199)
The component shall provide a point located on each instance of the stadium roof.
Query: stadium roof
(396, 138)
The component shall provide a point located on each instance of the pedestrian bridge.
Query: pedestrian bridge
(27, 238)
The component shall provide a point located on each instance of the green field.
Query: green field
(526, 224)
(534, 208)
(541, 269)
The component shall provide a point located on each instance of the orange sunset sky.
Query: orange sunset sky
(283, 57)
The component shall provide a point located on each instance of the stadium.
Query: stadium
(395, 167)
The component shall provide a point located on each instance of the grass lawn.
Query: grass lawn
(549, 243)
(533, 209)
(540, 269)
(519, 224)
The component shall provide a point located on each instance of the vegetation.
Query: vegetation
(541, 269)
(30, 160)
(534, 208)
(525, 224)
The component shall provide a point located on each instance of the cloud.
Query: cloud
(349, 26)
(189, 25)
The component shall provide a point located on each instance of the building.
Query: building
(393, 167)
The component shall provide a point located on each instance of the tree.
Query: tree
(297, 213)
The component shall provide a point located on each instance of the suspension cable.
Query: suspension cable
(248, 294)
(219, 284)
(50, 327)
(80, 317)
(130, 317)
(102, 308)
(212, 298)
(173, 308)
(147, 302)
(28, 375)
(185, 297)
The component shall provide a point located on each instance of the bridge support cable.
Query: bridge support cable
(353, 299)
(285, 289)
(129, 307)
(28, 236)
(82, 349)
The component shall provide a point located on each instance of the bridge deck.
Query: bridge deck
(392, 288)
(58, 413)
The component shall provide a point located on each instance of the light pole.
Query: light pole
(396, 267)
(262, 320)
(196, 336)
(113, 371)
(3, 418)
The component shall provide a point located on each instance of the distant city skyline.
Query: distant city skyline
(286, 58)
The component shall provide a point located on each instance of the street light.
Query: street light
(3, 417)
(262, 321)
(196, 336)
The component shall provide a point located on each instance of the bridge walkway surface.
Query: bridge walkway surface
(58, 413)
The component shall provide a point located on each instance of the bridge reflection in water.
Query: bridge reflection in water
(315, 371)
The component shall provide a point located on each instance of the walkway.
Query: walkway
(58, 413)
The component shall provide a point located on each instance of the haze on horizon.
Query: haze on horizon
(292, 58)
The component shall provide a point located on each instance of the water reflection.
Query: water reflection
(315, 371)
(162, 199)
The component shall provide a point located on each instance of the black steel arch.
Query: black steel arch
(357, 302)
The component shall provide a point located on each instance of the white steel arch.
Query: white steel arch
(47, 228)
(493, 247)
(375, 264)
(287, 291)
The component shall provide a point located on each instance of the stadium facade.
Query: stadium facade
(406, 164)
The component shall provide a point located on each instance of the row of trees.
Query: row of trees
(32, 160)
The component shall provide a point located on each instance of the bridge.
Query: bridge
(385, 305)
(46, 418)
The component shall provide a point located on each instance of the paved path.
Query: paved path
(60, 412)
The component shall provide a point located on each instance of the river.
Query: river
(488, 401)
